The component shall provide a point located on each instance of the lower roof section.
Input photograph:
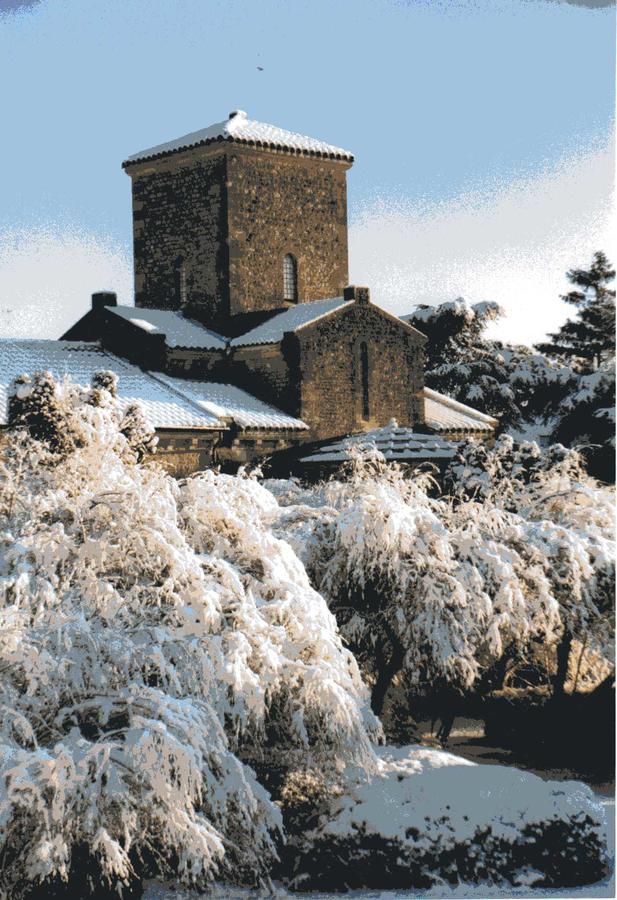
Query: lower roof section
(231, 403)
(167, 403)
(443, 414)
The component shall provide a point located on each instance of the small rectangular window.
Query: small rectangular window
(365, 380)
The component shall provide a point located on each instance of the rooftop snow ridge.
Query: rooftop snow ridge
(176, 328)
(240, 129)
(272, 330)
(458, 406)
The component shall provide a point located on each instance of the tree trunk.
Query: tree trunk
(492, 679)
(563, 658)
(385, 676)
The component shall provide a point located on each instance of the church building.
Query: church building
(244, 322)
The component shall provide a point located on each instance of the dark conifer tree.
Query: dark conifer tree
(590, 338)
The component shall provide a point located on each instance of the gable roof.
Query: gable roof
(177, 330)
(444, 414)
(238, 128)
(226, 401)
(79, 361)
(272, 330)
(393, 441)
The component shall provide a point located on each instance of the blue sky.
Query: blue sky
(446, 105)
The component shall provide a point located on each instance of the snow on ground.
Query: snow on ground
(601, 889)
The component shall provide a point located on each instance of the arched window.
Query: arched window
(364, 374)
(180, 281)
(290, 278)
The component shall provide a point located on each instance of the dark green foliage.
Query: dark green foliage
(140, 436)
(587, 421)
(563, 854)
(509, 382)
(590, 338)
(35, 404)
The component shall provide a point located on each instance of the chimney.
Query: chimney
(104, 298)
(359, 294)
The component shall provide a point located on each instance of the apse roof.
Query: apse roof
(239, 129)
(394, 442)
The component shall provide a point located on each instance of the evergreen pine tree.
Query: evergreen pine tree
(590, 337)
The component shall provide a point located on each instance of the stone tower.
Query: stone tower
(241, 217)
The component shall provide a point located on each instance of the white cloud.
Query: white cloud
(512, 244)
(47, 275)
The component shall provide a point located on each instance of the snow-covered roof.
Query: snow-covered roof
(162, 407)
(442, 413)
(292, 319)
(227, 401)
(395, 442)
(240, 129)
(178, 331)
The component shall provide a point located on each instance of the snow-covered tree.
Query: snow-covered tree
(37, 405)
(140, 435)
(164, 659)
(589, 339)
(586, 420)
(155, 640)
(567, 517)
(459, 361)
(434, 590)
(512, 383)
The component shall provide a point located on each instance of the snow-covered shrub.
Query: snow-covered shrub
(162, 648)
(154, 636)
(514, 474)
(430, 818)
(105, 380)
(140, 436)
(436, 590)
(40, 404)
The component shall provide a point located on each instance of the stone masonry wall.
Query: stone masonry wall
(182, 452)
(180, 211)
(232, 214)
(265, 370)
(331, 391)
(281, 204)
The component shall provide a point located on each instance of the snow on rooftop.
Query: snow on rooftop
(227, 401)
(442, 413)
(79, 361)
(240, 129)
(292, 319)
(393, 441)
(178, 330)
